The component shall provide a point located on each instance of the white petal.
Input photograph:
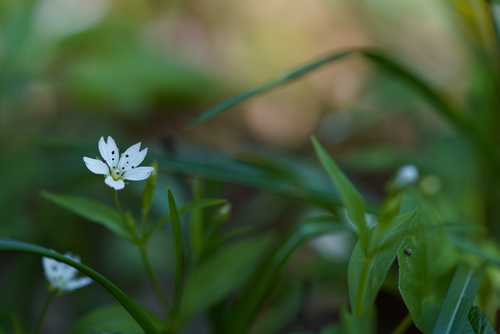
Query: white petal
(96, 166)
(109, 151)
(114, 184)
(48, 266)
(132, 157)
(126, 157)
(76, 283)
(133, 149)
(138, 173)
(136, 159)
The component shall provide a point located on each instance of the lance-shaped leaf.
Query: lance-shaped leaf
(458, 302)
(93, 211)
(350, 197)
(368, 268)
(142, 320)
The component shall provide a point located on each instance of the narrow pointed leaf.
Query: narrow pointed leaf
(435, 98)
(367, 269)
(350, 197)
(93, 211)
(238, 98)
(458, 302)
(122, 298)
(179, 254)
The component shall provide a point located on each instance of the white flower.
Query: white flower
(406, 175)
(61, 276)
(118, 167)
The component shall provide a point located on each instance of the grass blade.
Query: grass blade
(179, 254)
(350, 197)
(458, 302)
(442, 105)
(238, 98)
(123, 299)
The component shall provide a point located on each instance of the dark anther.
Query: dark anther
(126, 155)
(133, 167)
(123, 167)
(112, 152)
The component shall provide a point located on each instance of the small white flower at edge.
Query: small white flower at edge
(405, 176)
(61, 276)
(118, 167)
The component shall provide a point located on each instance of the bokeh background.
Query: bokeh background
(72, 71)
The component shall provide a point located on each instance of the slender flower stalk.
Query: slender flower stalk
(43, 313)
(116, 167)
(152, 277)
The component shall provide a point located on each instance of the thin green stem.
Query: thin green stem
(403, 325)
(152, 277)
(144, 224)
(131, 229)
(43, 313)
(358, 309)
(119, 207)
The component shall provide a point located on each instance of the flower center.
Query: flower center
(117, 174)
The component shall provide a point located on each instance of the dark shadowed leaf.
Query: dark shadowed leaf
(93, 211)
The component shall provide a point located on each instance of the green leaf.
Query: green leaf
(350, 197)
(442, 105)
(179, 254)
(221, 273)
(478, 323)
(426, 264)
(267, 86)
(458, 302)
(92, 211)
(258, 288)
(122, 298)
(111, 318)
(368, 268)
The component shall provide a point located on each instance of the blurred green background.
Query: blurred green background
(73, 71)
